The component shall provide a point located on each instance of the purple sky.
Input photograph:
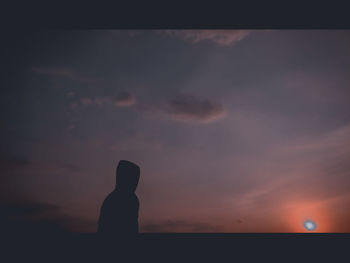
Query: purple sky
(234, 130)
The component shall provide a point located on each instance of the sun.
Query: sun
(310, 225)
(307, 216)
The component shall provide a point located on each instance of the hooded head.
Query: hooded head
(127, 176)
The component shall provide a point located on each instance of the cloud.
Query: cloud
(220, 37)
(26, 210)
(331, 142)
(11, 162)
(314, 87)
(130, 33)
(189, 108)
(20, 214)
(15, 168)
(122, 99)
(26, 216)
(23, 216)
(178, 226)
(329, 161)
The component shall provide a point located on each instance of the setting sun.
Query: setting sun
(310, 225)
(307, 217)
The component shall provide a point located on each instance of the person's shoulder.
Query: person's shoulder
(135, 197)
(110, 196)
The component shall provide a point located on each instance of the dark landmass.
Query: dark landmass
(180, 247)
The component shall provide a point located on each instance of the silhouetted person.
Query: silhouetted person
(120, 210)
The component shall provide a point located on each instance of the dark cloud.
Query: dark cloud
(11, 162)
(189, 108)
(179, 226)
(122, 99)
(25, 216)
(40, 217)
(15, 170)
(27, 209)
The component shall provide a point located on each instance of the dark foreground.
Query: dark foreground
(178, 248)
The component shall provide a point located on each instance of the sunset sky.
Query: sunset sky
(234, 130)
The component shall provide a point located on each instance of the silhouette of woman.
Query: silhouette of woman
(120, 210)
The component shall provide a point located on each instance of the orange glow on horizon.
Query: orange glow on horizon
(298, 213)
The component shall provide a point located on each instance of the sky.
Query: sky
(234, 130)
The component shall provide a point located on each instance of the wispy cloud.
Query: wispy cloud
(186, 107)
(130, 33)
(317, 88)
(122, 99)
(220, 37)
(40, 217)
(333, 142)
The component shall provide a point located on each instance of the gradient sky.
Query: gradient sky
(234, 130)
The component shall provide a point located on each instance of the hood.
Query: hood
(127, 176)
